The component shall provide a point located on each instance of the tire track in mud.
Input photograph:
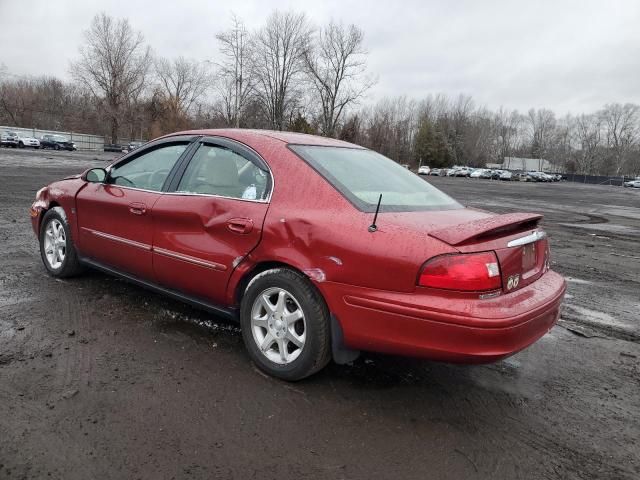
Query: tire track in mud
(514, 430)
(62, 365)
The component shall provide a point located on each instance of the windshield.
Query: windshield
(59, 138)
(362, 175)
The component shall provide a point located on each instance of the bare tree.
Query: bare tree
(278, 62)
(113, 65)
(235, 82)
(506, 127)
(542, 124)
(587, 130)
(621, 127)
(182, 82)
(335, 62)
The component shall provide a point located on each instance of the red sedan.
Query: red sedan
(320, 248)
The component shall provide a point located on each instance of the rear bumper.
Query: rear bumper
(454, 329)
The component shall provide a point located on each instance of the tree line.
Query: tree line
(290, 74)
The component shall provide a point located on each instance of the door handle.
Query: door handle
(137, 208)
(240, 225)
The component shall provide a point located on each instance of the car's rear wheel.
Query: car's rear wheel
(56, 245)
(285, 324)
(56, 147)
(21, 144)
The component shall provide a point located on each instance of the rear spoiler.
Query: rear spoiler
(486, 227)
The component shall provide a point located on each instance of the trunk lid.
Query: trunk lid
(520, 245)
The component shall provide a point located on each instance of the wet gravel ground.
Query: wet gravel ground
(101, 379)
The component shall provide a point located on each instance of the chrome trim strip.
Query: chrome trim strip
(114, 238)
(192, 194)
(131, 188)
(160, 251)
(533, 237)
(190, 259)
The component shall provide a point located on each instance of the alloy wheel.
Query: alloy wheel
(278, 325)
(55, 243)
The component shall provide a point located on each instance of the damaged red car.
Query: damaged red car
(318, 247)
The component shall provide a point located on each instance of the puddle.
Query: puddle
(205, 323)
(6, 330)
(605, 227)
(579, 281)
(6, 302)
(594, 316)
(621, 211)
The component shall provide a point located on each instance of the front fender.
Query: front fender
(61, 194)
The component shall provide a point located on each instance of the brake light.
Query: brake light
(467, 272)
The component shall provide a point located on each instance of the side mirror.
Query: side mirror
(95, 175)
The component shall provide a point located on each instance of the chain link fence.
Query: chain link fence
(83, 141)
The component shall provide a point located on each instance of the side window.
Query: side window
(219, 171)
(149, 170)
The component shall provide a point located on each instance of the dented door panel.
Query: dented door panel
(199, 240)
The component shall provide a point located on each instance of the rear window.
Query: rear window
(362, 175)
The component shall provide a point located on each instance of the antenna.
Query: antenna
(373, 227)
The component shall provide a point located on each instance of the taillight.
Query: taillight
(475, 272)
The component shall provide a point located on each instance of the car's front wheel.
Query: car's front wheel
(285, 324)
(56, 245)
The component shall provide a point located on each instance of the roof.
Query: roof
(286, 137)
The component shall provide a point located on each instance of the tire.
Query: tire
(20, 144)
(306, 340)
(56, 245)
(56, 147)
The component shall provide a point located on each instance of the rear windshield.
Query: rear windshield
(362, 175)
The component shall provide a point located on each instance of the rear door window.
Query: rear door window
(216, 170)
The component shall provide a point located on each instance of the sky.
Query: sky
(568, 56)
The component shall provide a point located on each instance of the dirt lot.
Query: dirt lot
(100, 379)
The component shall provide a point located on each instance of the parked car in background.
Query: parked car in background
(366, 257)
(133, 145)
(57, 142)
(506, 175)
(9, 139)
(437, 172)
(496, 174)
(632, 184)
(114, 147)
(463, 172)
(480, 173)
(424, 170)
(523, 177)
(31, 142)
(535, 176)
